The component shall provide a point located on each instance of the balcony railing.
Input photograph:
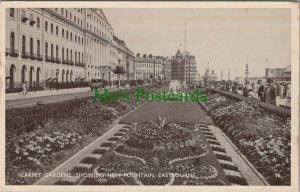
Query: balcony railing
(67, 62)
(70, 62)
(52, 59)
(24, 19)
(25, 55)
(64, 61)
(47, 59)
(13, 52)
(7, 52)
(57, 60)
(32, 56)
(39, 57)
(78, 64)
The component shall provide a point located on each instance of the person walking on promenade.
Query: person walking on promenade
(285, 89)
(281, 91)
(233, 88)
(270, 93)
(25, 88)
(260, 91)
(246, 89)
(288, 93)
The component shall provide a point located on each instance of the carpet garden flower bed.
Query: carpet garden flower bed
(263, 137)
(161, 158)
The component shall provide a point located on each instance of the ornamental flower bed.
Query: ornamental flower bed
(35, 149)
(262, 136)
(39, 138)
(160, 153)
(150, 135)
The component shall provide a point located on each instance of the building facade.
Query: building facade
(183, 67)
(148, 67)
(126, 59)
(279, 74)
(57, 44)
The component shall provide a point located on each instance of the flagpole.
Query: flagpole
(266, 66)
(184, 53)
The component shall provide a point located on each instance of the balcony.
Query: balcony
(24, 19)
(11, 52)
(32, 56)
(25, 55)
(57, 60)
(78, 64)
(47, 59)
(68, 62)
(32, 22)
(64, 61)
(39, 57)
(14, 53)
(52, 59)
(7, 52)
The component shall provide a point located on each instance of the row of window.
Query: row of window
(68, 35)
(32, 22)
(76, 20)
(148, 72)
(78, 55)
(147, 65)
(38, 43)
(64, 52)
(68, 15)
(24, 18)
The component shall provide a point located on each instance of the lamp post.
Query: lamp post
(119, 60)
(189, 70)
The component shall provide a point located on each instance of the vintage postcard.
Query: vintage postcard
(149, 96)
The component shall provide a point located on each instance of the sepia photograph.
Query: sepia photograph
(104, 96)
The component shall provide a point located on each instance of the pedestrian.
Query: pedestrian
(281, 91)
(270, 92)
(227, 86)
(277, 87)
(260, 91)
(288, 93)
(233, 88)
(25, 88)
(285, 89)
(246, 89)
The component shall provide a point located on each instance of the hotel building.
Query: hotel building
(183, 66)
(60, 45)
(148, 67)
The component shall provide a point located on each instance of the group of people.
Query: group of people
(264, 92)
(268, 93)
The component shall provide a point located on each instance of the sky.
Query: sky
(226, 38)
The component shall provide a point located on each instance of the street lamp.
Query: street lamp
(120, 56)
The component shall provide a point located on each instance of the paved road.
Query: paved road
(47, 99)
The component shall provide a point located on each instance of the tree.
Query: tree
(119, 70)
